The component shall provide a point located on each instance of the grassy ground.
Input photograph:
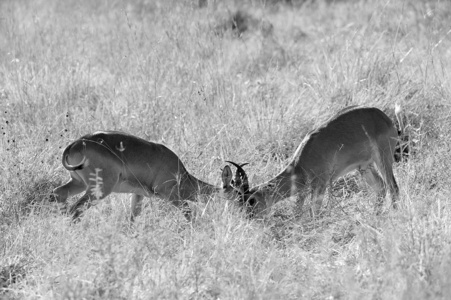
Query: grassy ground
(212, 89)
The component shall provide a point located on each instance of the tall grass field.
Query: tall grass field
(214, 81)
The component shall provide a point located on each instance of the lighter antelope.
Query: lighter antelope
(114, 162)
(356, 138)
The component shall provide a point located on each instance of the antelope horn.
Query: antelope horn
(241, 178)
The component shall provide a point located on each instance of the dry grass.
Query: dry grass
(214, 84)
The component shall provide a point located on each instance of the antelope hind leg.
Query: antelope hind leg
(373, 179)
(72, 187)
(136, 206)
(80, 206)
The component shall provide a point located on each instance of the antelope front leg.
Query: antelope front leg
(184, 207)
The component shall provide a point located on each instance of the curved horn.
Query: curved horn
(241, 179)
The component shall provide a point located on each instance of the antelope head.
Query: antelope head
(247, 197)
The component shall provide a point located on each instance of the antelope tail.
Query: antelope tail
(398, 111)
(84, 162)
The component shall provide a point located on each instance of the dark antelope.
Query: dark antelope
(356, 138)
(114, 162)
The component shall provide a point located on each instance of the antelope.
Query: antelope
(356, 138)
(114, 162)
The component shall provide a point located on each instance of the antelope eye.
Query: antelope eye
(250, 207)
(251, 202)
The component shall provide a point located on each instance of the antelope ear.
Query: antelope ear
(227, 176)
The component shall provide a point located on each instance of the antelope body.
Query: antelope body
(362, 138)
(114, 162)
